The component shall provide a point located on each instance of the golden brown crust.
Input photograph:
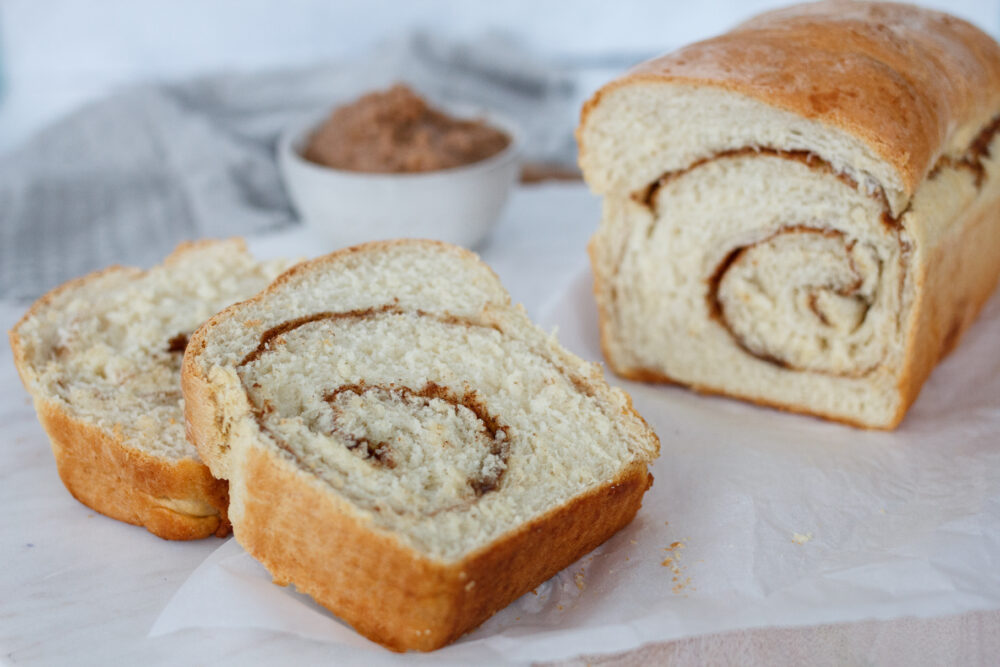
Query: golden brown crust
(387, 591)
(901, 79)
(957, 278)
(173, 499)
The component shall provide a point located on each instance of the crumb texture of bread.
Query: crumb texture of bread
(101, 357)
(427, 419)
(802, 212)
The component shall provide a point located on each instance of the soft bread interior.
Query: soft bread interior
(399, 377)
(631, 135)
(107, 349)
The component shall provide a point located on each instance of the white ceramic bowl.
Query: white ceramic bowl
(457, 205)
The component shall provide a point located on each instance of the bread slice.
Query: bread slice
(803, 212)
(101, 357)
(404, 445)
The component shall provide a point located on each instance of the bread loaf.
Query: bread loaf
(404, 445)
(803, 212)
(101, 358)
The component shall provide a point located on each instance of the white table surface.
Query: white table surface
(79, 588)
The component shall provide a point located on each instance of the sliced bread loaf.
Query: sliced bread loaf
(101, 357)
(803, 212)
(404, 445)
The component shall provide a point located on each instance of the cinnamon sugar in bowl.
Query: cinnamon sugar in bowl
(389, 165)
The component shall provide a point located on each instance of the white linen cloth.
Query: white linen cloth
(125, 179)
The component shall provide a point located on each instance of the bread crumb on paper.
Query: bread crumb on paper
(681, 582)
(800, 538)
(682, 586)
(580, 581)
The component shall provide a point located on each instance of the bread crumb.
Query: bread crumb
(673, 561)
(580, 583)
(799, 538)
(633, 542)
(559, 607)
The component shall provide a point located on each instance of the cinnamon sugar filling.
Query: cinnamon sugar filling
(482, 428)
(440, 433)
(832, 308)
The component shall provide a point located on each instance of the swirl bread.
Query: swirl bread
(404, 445)
(802, 212)
(101, 357)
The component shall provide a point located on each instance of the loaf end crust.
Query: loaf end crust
(174, 500)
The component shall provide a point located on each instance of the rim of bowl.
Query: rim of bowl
(296, 133)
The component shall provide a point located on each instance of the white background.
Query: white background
(57, 54)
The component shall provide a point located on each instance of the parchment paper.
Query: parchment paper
(756, 518)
